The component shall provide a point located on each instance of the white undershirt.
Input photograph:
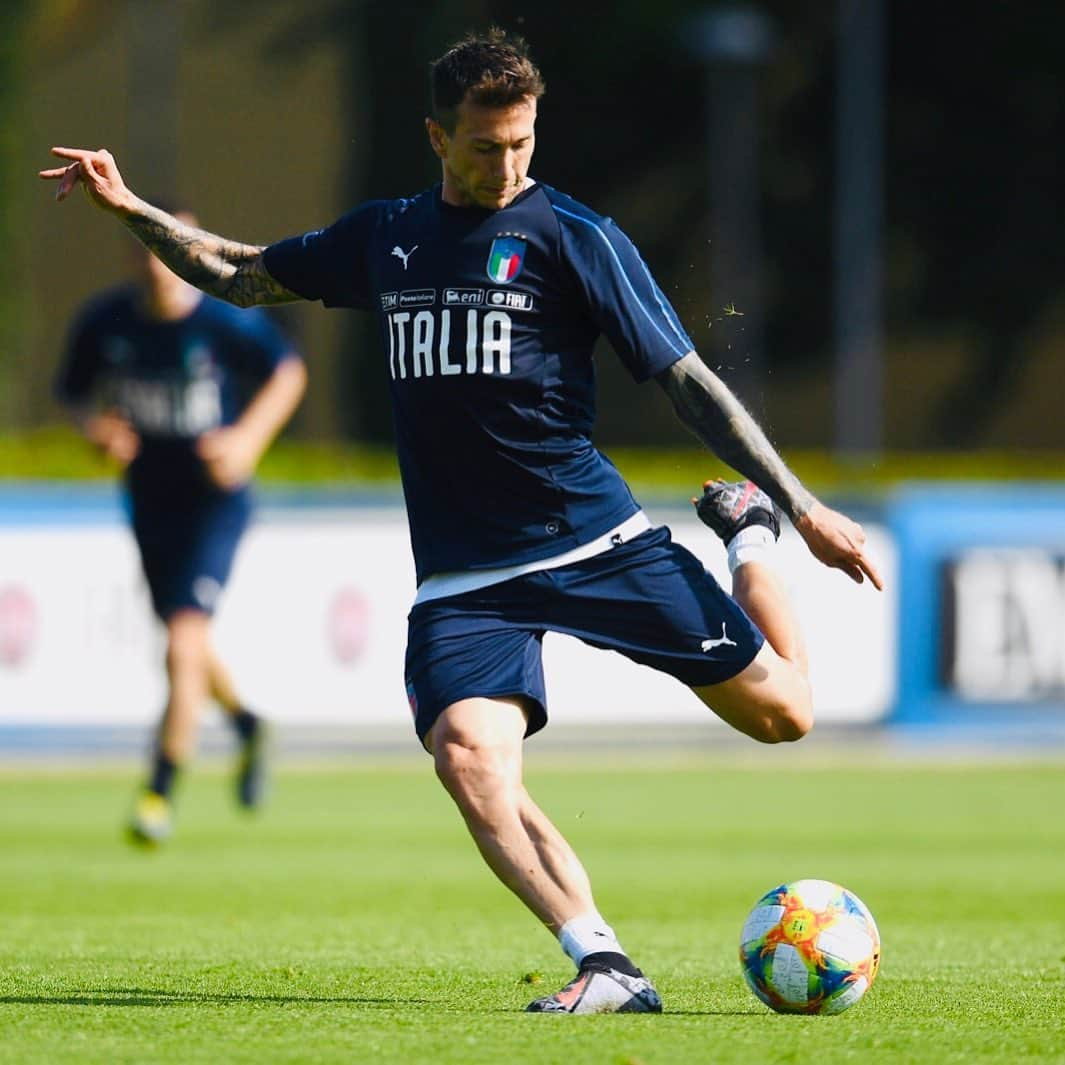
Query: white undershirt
(440, 585)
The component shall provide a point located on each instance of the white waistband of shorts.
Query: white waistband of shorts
(440, 585)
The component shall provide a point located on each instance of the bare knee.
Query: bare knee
(183, 658)
(476, 775)
(476, 748)
(769, 700)
(187, 645)
(786, 720)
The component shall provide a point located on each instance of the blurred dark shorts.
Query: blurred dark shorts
(648, 599)
(187, 546)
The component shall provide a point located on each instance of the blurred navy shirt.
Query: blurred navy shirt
(173, 380)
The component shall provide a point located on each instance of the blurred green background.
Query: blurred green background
(270, 118)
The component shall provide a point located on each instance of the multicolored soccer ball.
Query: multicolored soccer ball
(810, 947)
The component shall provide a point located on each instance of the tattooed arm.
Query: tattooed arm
(706, 406)
(224, 268)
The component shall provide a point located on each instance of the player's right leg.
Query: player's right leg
(187, 648)
(770, 699)
(188, 642)
(187, 540)
(476, 745)
(476, 688)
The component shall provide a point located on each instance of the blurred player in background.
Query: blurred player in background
(185, 392)
(491, 290)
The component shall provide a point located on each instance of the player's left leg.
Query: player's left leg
(251, 730)
(223, 689)
(652, 600)
(476, 745)
(769, 700)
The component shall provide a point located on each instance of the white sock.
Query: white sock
(751, 544)
(587, 934)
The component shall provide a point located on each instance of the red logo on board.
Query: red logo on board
(349, 625)
(18, 625)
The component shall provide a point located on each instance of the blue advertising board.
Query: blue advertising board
(981, 626)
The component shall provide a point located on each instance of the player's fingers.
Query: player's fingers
(82, 155)
(88, 166)
(852, 571)
(871, 572)
(103, 164)
(76, 172)
(85, 172)
(71, 153)
(71, 176)
(858, 566)
(76, 155)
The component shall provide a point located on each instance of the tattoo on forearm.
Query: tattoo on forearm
(706, 406)
(224, 268)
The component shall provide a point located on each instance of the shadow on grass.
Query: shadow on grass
(139, 996)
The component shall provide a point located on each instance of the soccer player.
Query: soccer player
(185, 392)
(490, 290)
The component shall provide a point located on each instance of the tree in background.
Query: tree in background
(976, 204)
(14, 18)
(975, 135)
(33, 34)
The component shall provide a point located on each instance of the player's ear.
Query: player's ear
(437, 137)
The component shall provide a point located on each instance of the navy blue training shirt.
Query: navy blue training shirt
(174, 380)
(488, 320)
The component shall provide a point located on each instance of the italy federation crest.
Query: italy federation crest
(505, 258)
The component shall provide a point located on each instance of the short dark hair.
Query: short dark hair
(493, 69)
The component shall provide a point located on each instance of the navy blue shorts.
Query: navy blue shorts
(649, 599)
(187, 547)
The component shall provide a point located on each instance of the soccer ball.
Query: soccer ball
(810, 947)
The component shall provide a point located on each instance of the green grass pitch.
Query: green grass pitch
(354, 922)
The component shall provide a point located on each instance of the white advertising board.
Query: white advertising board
(313, 624)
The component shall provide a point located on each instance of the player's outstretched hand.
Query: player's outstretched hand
(97, 174)
(839, 542)
(230, 455)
